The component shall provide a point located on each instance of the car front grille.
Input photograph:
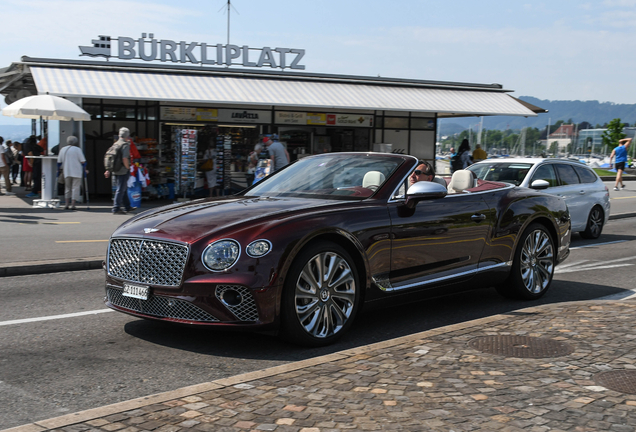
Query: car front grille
(162, 307)
(246, 310)
(147, 261)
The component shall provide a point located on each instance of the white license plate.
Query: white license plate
(136, 291)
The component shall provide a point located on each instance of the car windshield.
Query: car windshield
(508, 172)
(332, 176)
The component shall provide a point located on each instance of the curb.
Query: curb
(622, 215)
(120, 407)
(50, 266)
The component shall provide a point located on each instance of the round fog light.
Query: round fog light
(258, 248)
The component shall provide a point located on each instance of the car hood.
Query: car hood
(191, 221)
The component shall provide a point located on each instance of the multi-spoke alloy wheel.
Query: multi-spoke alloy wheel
(324, 297)
(533, 265)
(595, 223)
(325, 294)
(537, 261)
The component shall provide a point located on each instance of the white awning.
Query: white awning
(279, 92)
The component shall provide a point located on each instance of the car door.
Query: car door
(574, 192)
(439, 241)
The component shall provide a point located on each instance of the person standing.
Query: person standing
(252, 163)
(121, 203)
(4, 171)
(17, 161)
(33, 149)
(461, 160)
(71, 160)
(621, 159)
(479, 154)
(277, 153)
(211, 175)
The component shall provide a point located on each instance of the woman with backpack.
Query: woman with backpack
(462, 159)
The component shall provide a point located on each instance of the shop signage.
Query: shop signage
(322, 119)
(289, 117)
(165, 50)
(244, 116)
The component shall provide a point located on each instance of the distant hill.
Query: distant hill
(15, 132)
(594, 112)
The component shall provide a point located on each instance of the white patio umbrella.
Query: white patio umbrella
(46, 107)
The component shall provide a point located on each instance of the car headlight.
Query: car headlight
(221, 255)
(258, 248)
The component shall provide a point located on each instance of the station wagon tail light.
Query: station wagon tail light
(221, 255)
(258, 248)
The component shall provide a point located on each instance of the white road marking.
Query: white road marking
(593, 266)
(623, 295)
(54, 317)
(598, 244)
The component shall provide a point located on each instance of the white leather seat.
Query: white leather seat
(461, 180)
(440, 180)
(373, 178)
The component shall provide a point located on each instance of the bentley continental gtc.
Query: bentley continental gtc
(303, 251)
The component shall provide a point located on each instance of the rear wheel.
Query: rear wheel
(595, 222)
(533, 265)
(321, 295)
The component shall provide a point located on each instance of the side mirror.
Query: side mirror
(539, 184)
(424, 190)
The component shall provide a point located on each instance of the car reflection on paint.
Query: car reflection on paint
(304, 250)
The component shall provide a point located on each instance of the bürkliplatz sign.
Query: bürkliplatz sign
(147, 48)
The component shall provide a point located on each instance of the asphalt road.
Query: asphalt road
(55, 366)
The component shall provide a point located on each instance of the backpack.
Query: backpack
(113, 158)
(456, 162)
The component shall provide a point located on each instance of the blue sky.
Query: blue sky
(557, 50)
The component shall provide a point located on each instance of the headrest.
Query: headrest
(461, 180)
(373, 178)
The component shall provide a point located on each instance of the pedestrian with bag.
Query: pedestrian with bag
(117, 164)
(252, 163)
(461, 160)
(71, 163)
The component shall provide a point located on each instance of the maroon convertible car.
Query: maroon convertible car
(302, 251)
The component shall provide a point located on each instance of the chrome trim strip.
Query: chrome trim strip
(479, 270)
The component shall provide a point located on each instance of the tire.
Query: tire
(321, 295)
(595, 222)
(533, 265)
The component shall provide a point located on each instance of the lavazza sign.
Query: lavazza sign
(165, 50)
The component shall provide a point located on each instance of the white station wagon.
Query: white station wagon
(584, 192)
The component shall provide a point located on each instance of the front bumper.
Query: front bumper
(206, 304)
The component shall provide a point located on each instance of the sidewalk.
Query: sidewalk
(558, 367)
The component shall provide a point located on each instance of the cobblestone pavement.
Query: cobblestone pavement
(548, 373)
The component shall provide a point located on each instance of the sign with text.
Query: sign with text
(166, 50)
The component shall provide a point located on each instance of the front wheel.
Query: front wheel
(320, 296)
(595, 222)
(533, 265)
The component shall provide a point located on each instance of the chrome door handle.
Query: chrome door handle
(478, 217)
(582, 192)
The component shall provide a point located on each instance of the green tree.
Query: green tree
(613, 134)
(554, 149)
